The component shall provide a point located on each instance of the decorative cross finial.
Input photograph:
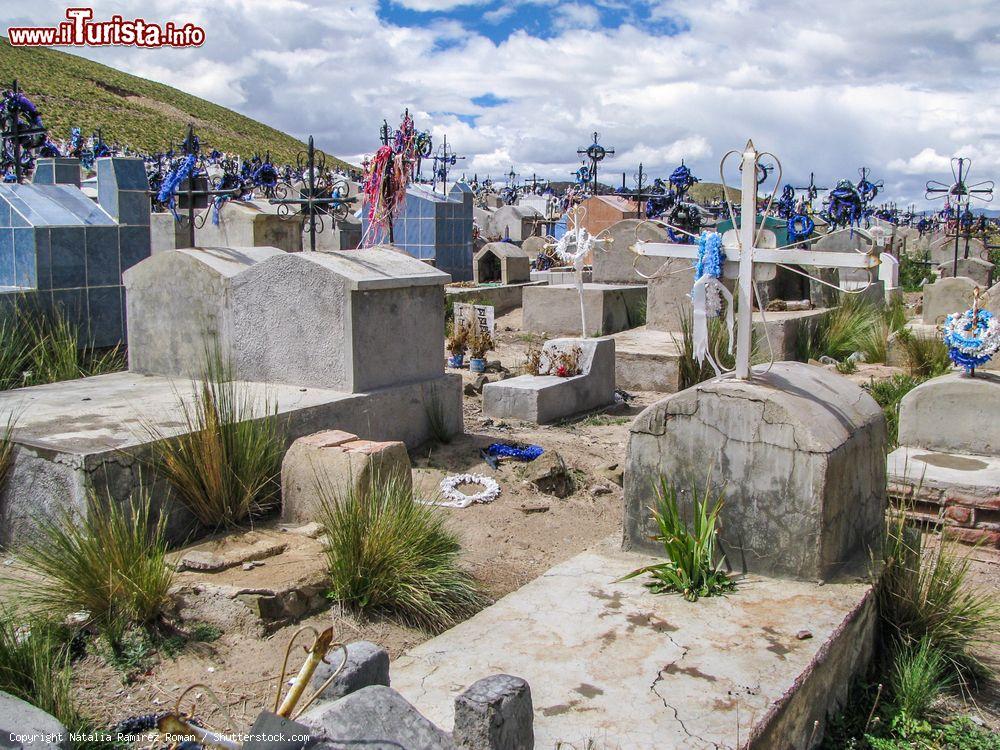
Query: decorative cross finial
(323, 195)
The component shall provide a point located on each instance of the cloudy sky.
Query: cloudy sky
(827, 87)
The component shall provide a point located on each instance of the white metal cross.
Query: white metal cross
(744, 247)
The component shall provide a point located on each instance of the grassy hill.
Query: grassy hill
(73, 92)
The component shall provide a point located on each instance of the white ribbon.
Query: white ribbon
(706, 297)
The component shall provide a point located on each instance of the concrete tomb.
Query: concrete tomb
(942, 249)
(518, 223)
(617, 264)
(980, 271)
(435, 228)
(547, 398)
(946, 296)
(796, 453)
(948, 460)
(246, 224)
(555, 309)
(64, 253)
(503, 263)
(600, 212)
(348, 341)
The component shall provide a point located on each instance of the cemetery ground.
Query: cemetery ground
(505, 545)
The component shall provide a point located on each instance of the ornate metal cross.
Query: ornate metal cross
(596, 153)
(444, 158)
(14, 131)
(962, 194)
(322, 196)
(746, 250)
(191, 188)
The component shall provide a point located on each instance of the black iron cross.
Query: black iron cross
(962, 194)
(812, 191)
(322, 196)
(445, 157)
(16, 132)
(596, 153)
(188, 147)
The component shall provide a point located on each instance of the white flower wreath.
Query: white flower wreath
(455, 498)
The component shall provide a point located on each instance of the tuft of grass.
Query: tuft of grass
(38, 348)
(225, 467)
(888, 393)
(436, 420)
(690, 371)
(389, 555)
(110, 563)
(693, 569)
(34, 666)
(926, 356)
(924, 595)
(918, 678)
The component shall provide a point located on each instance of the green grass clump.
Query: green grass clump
(37, 348)
(389, 555)
(931, 627)
(34, 666)
(888, 394)
(923, 595)
(693, 568)
(226, 466)
(918, 677)
(926, 356)
(109, 563)
(690, 371)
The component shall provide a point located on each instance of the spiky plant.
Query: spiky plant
(109, 563)
(225, 467)
(693, 568)
(925, 594)
(888, 394)
(926, 355)
(389, 555)
(919, 676)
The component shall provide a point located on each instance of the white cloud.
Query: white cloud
(888, 85)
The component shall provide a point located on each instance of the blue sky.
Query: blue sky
(827, 88)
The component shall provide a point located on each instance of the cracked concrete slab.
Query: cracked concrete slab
(617, 664)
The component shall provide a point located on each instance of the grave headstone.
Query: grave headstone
(517, 223)
(243, 224)
(617, 264)
(946, 296)
(980, 271)
(942, 249)
(483, 317)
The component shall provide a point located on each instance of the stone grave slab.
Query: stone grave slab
(801, 470)
(555, 309)
(262, 592)
(548, 398)
(942, 249)
(614, 663)
(96, 432)
(647, 360)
